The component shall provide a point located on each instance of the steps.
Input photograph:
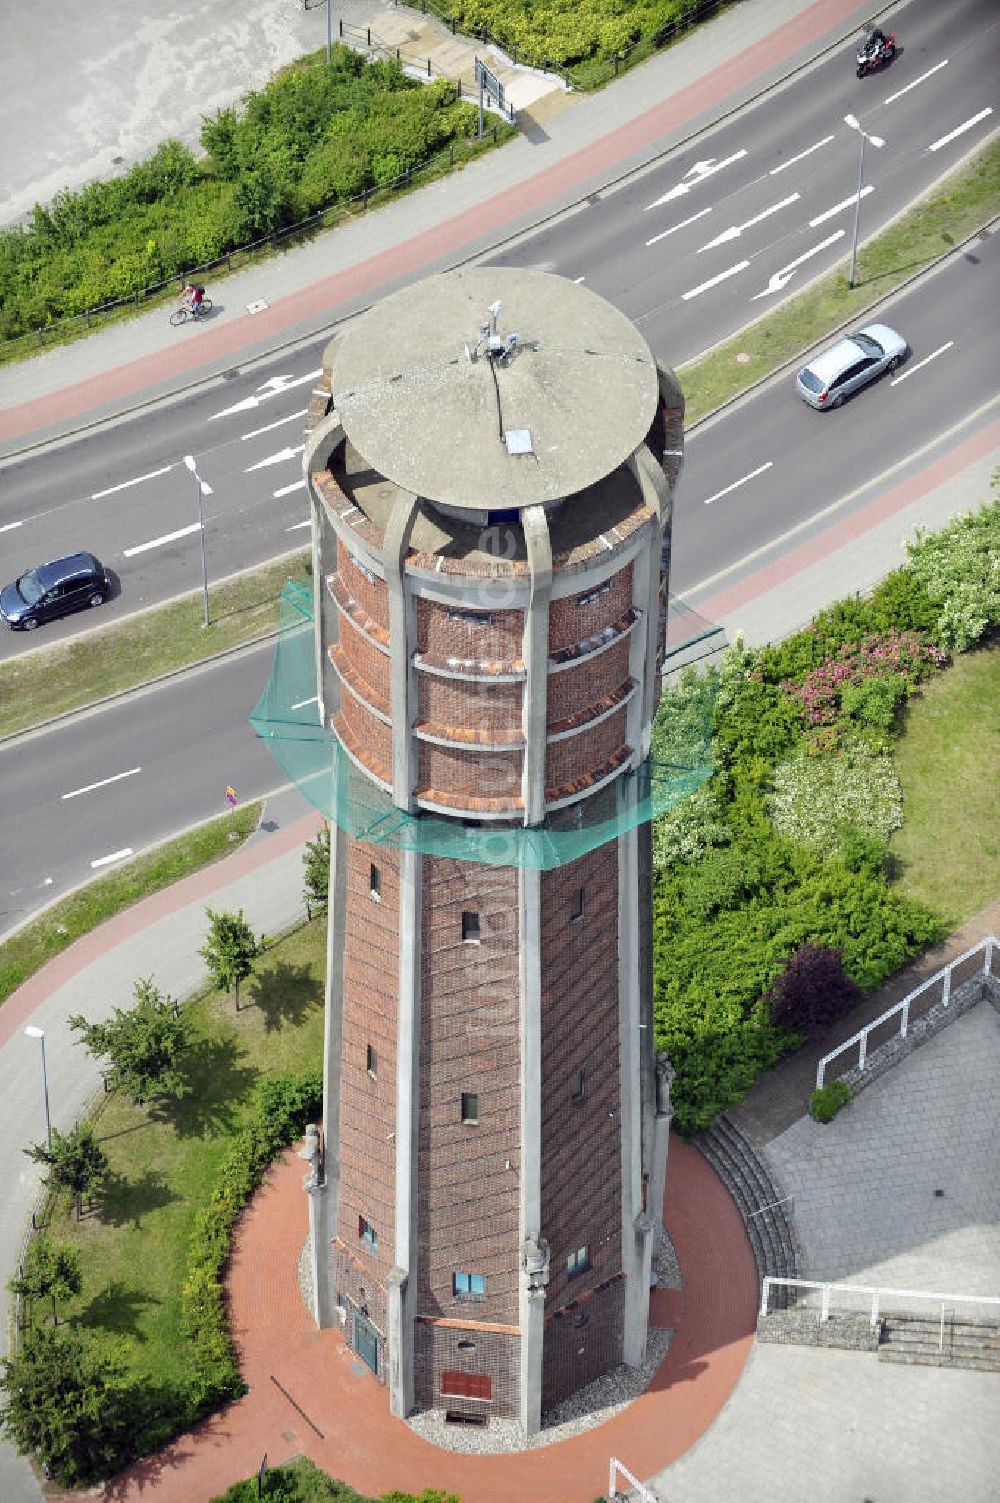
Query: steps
(752, 1186)
(917, 1341)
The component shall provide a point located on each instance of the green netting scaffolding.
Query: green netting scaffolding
(286, 716)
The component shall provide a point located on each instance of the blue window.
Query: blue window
(468, 1285)
(367, 1234)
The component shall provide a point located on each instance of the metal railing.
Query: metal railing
(876, 1295)
(944, 976)
(362, 38)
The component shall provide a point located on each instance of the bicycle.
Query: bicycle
(184, 312)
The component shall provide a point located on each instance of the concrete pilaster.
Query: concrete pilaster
(661, 1138)
(535, 651)
(320, 444)
(325, 1198)
(656, 494)
(635, 1226)
(531, 1292)
(401, 1285)
(396, 541)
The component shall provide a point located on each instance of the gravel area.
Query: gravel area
(583, 1410)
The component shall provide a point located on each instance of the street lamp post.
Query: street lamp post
(878, 143)
(203, 489)
(39, 1034)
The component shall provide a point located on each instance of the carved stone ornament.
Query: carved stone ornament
(535, 1263)
(312, 1152)
(664, 1075)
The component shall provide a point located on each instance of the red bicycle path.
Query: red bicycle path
(448, 239)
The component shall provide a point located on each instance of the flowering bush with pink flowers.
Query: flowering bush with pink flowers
(864, 680)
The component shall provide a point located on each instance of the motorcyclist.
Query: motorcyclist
(874, 43)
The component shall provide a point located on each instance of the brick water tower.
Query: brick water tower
(491, 457)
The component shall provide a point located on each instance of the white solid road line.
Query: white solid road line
(303, 702)
(737, 483)
(807, 153)
(735, 230)
(930, 72)
(779, 278)
(102, 784)
(255, 432)
(845, 203)
(278, 458)
(286, 490)
(9, 526)
(168, 537)
(961, 129)
(674, 227)
(701, 170)
(714, 281)
(911, 370)
(126, 483)
(298, 526)
(115, 856)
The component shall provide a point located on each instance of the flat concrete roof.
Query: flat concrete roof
(581, 382)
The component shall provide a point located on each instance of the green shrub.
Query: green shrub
(826, 1100)
(301, 1481)
(959, 568)
(821, 799)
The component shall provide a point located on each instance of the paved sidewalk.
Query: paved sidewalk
(713, 70)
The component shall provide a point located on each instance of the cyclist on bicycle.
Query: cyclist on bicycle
(193, 296)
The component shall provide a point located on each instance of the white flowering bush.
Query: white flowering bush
(815, 799)
(959, 567)
(687, 830)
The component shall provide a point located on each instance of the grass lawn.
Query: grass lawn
(948, 849)
(164, 1161)
(46, 681)
(29, 949)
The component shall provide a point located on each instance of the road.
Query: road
(115, 779)
(775, 187)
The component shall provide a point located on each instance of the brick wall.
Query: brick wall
(578, 755)
(581, 1144)
(371, 665)
(468, 1198)
(368, 738)
(582, 1342)
(457, 702)
(368, 1106)
(372, 598)
(440, 1349)
(357, 1285)
(472, 773)
(571, 622)
(587, 682)
(466, 639)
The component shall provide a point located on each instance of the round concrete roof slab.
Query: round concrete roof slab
(581, 381)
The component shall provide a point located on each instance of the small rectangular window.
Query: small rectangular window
(470, 1106)
(471, 618)
(576, 1085)
(470, 927)
(579, 1261)
(372, 1065)
(468, 1285)
(364, 572)
(592, 595)
(367, 1234)
(576, 905)
(375, 883)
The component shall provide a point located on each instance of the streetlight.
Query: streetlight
(39, 1034)
(878, 143)
(203, 489)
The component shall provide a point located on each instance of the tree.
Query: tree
(68, 1398)
(76, 1161)
(51, 1271)
(147, 1045)
(229, 951)
(813, 991)
(316, 861)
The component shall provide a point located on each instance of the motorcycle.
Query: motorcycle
(883, 52)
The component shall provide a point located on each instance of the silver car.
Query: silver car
(833, 376)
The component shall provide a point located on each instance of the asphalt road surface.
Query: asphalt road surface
(114, 780)
(691, 249)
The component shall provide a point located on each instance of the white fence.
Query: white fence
(860, 1039)
(877, 1296)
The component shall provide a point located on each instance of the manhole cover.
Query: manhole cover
(593, 198)
(743, 358)
(230, 375)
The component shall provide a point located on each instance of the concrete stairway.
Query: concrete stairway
(917, 1340)
(753, 1187)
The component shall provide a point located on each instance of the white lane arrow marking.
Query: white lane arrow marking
(278, 458)
(845, 203)
(664, 233)
(912, 370)
(737, 483)
(807, 153)
(735, 230)
(286, 490)
(152, 475)
(787, 272)
(698, 169)
(714, 281)
(270, 388)
(703, 172)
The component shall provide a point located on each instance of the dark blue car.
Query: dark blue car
(55, 589)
